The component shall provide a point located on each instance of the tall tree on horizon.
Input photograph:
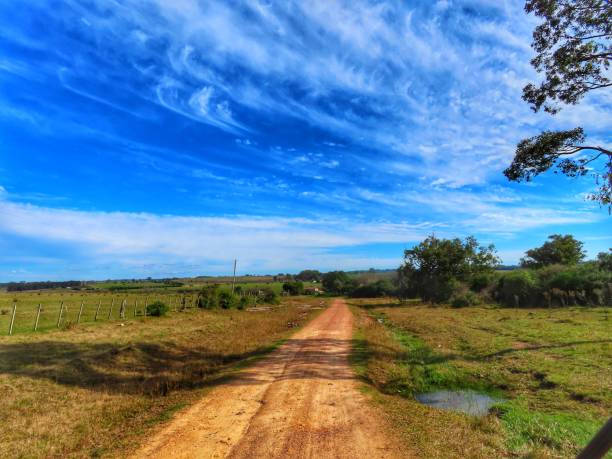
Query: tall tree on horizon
(574, 49)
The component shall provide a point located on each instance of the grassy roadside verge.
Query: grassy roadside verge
(96, 390)
(553, 366)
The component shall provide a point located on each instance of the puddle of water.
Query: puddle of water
(465, 401)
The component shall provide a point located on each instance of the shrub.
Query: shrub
(374, 290)
(268, 296)
(480, 281)
(518, 288)
(157, 309)
(293, 287)
(338, 283)
(227, 300)
(243, 302)
(208, 298)
(586, 276)
(465, 299)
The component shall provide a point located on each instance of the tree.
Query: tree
(561, 250)
(293, 287)
(434, 267)
(338, 282)
(574, 49)
(309, 275)
(604, 260)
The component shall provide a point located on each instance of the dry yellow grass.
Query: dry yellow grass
(97, 390)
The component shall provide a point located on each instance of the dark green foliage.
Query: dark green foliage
(376, 289)
(465, 299)
(293, 287)
(227, 300)
(243, 302)
(539, 153)
(480, 281)
(23, 286)
(556, 285)
(586, 276)
(518, 288)
(208, 298)
(309, 275)
(157, 309)
(268, 296)
(563, 250)
(434, 269)
(604, 260)
(338, 283)
(573, 52)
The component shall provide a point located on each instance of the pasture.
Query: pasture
(550, 368)
(95, 389)
(102, 302)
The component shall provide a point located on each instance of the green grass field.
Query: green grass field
(553, 367)
(107, 303)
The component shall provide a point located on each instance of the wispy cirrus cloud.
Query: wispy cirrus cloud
(357, 114)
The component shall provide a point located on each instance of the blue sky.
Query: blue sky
(157, 138)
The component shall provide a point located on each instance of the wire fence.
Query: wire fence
(34, 312)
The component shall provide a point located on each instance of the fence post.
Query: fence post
(37, 316)
(145, 305)
(98, 310)
(110, 310)
(122, 310)
(80, 312)
(59, 316)
(600, 444)
(13, 319)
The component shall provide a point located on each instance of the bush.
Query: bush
(243, 303)
(518, 288)
(268, 296)
(293, 287)
(465, 299)
(586, 276)
(481, 281)
(157, 309)
(208, 298)
(227, 300)
(338, 283)
(376, 289)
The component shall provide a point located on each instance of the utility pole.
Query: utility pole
(234, 281)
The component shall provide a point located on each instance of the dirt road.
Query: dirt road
(302, 401)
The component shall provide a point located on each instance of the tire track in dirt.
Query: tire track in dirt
(302, 401)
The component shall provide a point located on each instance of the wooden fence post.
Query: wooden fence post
(135, 306)
(13, 319)
(80, 311)
(600, 444)
(37, 316)
(122, 310)
(145, 305)
(98, 310)
(59, 316)
(110, 310)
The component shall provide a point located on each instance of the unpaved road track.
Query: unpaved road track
(302, 401)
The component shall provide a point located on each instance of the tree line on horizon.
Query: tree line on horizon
(461, 272)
